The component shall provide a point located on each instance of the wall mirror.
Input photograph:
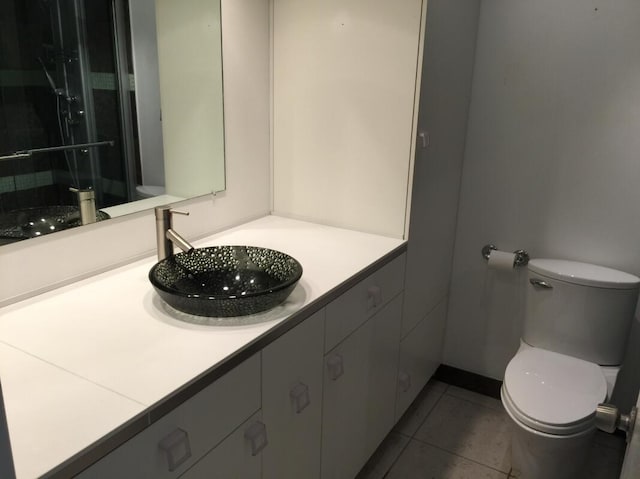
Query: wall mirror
(114, 105)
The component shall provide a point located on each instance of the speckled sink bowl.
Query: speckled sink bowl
(225, 281)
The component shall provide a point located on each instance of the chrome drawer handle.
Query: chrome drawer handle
(374, 295)
(176, 447)
(335, 366)
(540, 283)
(404, 379)
(256, 434)
(300, 398)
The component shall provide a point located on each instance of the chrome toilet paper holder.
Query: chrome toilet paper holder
(522, 257)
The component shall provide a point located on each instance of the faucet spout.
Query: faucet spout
(179, 241)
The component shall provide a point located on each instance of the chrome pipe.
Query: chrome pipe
(79, 146)
(15, 156)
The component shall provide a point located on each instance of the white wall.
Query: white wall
(39, 264)
(344, 83)
(551, 162)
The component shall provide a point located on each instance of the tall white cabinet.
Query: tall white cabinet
(360, 89)
(447, 71)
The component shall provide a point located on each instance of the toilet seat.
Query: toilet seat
(551, 392)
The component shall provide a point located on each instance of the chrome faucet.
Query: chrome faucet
(166, 237)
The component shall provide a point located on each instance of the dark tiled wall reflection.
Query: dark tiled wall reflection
(28, 110)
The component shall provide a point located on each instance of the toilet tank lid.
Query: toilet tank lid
(584, 274)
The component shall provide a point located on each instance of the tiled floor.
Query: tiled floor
(453, 433)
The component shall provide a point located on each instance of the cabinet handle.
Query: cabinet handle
(176, 448)
(374, 294)
(335, 366)
(404, 379)
(256, 434)
(300, 397)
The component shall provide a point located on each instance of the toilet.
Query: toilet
(576, 324)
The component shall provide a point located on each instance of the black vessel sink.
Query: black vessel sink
(27, 223)
(225, 281)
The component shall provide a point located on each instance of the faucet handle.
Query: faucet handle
(164, 213)
(178, 212)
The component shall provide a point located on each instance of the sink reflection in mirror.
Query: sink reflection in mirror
(225, 281)
(80, 107)
(28, 223)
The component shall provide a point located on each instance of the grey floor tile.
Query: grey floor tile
(422, 461)
(474, 397)
(415, 415)
(470, 430)
(384, 457)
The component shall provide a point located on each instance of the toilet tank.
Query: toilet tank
(579, 309)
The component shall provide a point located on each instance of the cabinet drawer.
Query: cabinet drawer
(175, 442)
(420, 356)
(233, 458)
(352, 308)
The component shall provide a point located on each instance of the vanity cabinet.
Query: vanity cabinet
(292, 401)
(174, 443)
(316, 402)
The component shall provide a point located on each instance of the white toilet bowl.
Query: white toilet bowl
(551, 399)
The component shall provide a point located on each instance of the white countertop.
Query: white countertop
(78, 362)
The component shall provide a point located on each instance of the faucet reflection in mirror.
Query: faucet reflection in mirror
(73, 114)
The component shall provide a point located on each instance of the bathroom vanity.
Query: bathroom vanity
(101, 378)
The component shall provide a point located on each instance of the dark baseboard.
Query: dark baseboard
(471, 381)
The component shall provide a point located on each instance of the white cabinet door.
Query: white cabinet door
(292, 401)
(420, 353)
(237, 457)
(359, 393)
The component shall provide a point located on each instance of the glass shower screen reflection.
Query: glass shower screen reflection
(66, 99)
